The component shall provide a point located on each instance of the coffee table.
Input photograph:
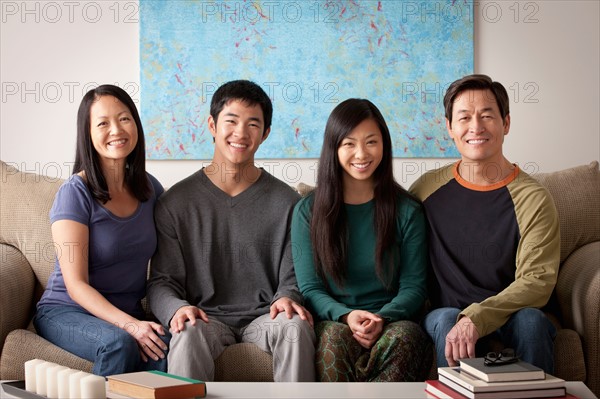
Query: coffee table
(318, 390)
(314, 390)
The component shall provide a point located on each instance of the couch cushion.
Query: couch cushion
(16, 295)
(576, 194)
(244, 362)
(25, 201)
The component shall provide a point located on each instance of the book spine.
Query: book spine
(456, 379)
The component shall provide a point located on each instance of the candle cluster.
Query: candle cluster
(55, 381)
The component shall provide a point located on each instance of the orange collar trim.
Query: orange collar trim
(491, 187)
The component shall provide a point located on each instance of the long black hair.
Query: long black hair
(86, 156)
(328, 230)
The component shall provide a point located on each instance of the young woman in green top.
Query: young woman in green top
(360, 255)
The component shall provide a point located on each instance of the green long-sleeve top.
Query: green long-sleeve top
(363, 289)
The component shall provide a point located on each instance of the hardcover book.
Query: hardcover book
(507, 372)
(155, 385)
(474, 384)
(442, 391)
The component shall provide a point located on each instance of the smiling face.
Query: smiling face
(360, 152)
(113, 130)
(477, 127)
(238, 132)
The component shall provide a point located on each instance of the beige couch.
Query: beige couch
(27, 259)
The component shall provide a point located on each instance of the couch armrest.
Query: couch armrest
(578, 292)
(17, 283)
(24, 345)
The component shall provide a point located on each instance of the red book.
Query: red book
(442, 391)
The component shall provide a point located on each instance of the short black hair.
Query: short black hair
(245, 91)
(476, 82)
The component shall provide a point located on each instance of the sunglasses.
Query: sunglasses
(507, 356)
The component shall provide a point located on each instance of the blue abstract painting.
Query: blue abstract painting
(308, 56)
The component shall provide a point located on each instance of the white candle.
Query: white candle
(93, 387)
(63, 382)
(74, 387)
(52, 381)
(30, 374)
(40, 377)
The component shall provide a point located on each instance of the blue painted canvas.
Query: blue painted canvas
(308, 56)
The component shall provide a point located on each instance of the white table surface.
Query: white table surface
(318, 390)
(315, 390)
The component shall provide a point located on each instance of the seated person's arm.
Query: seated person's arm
(313, 289)
(72, 241)
(413, 270)
(288, 298)
(166, 287)
(537, 262)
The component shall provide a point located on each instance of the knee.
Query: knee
(406, 331)
(529, 315)
(440, 321)
(295, 329)
(331, 332)
(195, 334)
(122, 342)
(533, 321)
(405, 328)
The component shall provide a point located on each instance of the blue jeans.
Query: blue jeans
(527, 331)
(112, 349)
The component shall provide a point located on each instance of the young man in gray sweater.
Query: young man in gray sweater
(223, 270)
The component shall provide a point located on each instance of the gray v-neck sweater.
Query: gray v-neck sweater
(229, 256)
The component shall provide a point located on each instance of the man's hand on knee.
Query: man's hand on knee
(285, 304)
(460, 341)
(184, 314)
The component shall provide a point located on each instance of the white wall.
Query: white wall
(545, 52)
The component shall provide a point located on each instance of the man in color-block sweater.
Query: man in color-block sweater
(223, 270)
(494, 237)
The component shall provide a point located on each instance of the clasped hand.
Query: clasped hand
(366, 327)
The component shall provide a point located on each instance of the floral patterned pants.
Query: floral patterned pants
(404, 352)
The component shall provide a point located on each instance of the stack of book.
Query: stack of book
(474, 380)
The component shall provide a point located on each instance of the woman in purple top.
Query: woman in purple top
(103, 231)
